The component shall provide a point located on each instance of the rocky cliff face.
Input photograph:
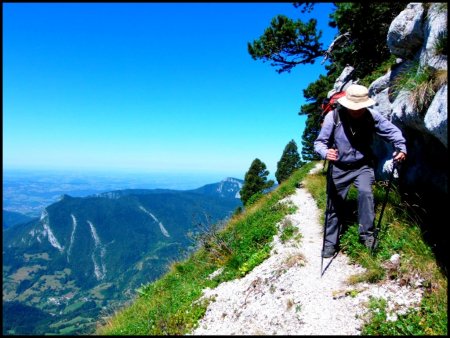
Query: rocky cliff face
(413, 38)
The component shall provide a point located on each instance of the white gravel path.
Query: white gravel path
(286, 295)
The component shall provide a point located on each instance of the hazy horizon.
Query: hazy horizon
(29, 191)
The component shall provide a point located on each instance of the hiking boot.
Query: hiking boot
(371, 243)
(328, 251)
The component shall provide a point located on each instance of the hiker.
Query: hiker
(347, 146)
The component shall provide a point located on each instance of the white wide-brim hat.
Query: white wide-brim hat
(356, 97)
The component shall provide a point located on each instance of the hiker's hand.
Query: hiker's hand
(399, 156)
(332, 154)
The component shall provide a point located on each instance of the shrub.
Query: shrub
(421, 82)
(440, 46)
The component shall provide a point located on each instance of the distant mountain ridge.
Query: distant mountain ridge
(11, 218)
(227, 188)
(99, 249)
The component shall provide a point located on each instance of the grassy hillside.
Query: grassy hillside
(169, 305)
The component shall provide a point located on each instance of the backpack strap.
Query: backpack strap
(336, 122)
(336, 118)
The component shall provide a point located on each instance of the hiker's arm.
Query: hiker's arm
(322, 141)
(391, 133)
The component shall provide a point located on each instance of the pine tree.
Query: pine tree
(289, 162)
(255, 181)
(288, 43)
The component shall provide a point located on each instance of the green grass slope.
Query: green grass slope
(169, 306)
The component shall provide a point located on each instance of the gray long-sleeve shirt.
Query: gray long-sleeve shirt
(356, 147)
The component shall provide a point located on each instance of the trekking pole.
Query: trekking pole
(378, 227)
(324, 165)
(328, 191)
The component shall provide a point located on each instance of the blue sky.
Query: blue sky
(148, 87)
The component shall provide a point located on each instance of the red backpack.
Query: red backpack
(329, 104)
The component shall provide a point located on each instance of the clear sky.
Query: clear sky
(148, 87)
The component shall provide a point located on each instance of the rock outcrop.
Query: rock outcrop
(413, 38)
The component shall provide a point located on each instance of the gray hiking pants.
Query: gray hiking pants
(363, 179)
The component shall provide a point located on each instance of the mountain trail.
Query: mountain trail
(286, 294)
